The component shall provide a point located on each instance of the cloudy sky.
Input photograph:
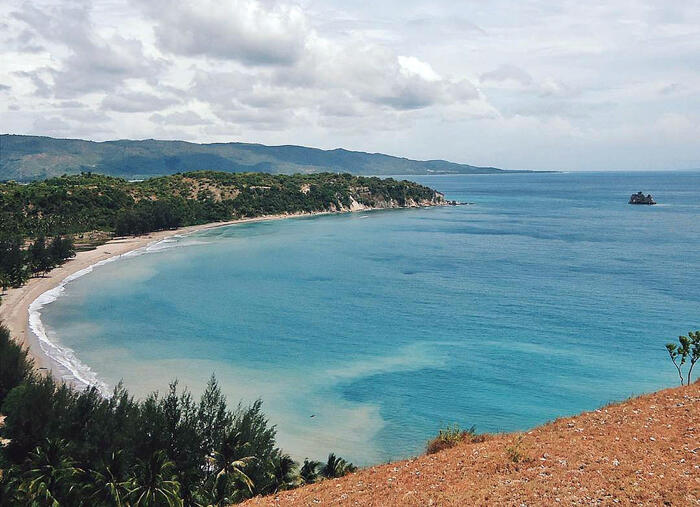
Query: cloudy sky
(528, 84)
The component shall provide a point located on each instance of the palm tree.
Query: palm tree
(336, 467)
(223, 487)
(11, 492)
(49, 479)
(222, 493)
(233, 468)
(108, 486)
(154, 484)
(283, 473)
(309, 471)
(225, 461)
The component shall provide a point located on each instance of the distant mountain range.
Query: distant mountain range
(27, 158)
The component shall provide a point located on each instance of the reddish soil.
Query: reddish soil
(644, 451)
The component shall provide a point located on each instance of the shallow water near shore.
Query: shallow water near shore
(548, 296)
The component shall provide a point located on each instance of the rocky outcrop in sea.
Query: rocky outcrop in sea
(640, 198)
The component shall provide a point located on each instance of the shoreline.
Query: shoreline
(19, 304)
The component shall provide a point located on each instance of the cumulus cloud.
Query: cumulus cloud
(289, 66)
(136, 102)
(519, 93)
(93, 63)
(248, 31)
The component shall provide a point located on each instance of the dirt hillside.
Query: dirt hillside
(643, 451)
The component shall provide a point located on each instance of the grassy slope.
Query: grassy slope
(25, 158)
(644, 451)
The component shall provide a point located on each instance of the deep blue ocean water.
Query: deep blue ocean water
(548, 296)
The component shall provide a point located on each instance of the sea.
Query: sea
(365, 333)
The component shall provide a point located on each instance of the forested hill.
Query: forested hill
(85, 202)
(27, 158)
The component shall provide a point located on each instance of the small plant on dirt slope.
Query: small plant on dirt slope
(687, 350)
(516, 451)
(451, 436)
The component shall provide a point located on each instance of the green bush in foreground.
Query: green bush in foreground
(82, 449)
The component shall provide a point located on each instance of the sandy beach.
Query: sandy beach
(14, 310)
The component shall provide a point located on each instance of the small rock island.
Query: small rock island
(640, 198)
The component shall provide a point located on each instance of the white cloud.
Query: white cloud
(83, 60)
(483, 83)
(507, 73)
(53, 125)
(248, 31)
(412, 66)
(179, 118)
(126, 101)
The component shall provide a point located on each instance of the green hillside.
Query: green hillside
(89, 201)
(27, 158)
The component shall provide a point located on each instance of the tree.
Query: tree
(153, 482)
(688, 349)
(60, 249)
(12, 261)
(15, 366)
(283, 473)
(51, 474)
(10, 492)
(213, 416)
(227, 464)
(29, 409)
(336, 467)
(109, 485)
(39, 257)
(309, 471)
(4, 281)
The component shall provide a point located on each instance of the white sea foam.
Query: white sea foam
(71, 369)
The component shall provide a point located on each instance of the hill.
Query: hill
(27, 158)
(644, 451)
(88, 201)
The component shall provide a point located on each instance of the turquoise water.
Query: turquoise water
(549, 295)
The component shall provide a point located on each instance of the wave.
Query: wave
(74, 371)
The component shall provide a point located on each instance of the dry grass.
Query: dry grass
(644, 451)
(451, 436)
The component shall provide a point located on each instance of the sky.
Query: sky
(527, 84)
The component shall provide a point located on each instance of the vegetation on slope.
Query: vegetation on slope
(26, 158)
(18, 263)
(74, 204)
(62, 447)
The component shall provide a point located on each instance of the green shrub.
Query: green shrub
(516, 451)
(451, 436)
